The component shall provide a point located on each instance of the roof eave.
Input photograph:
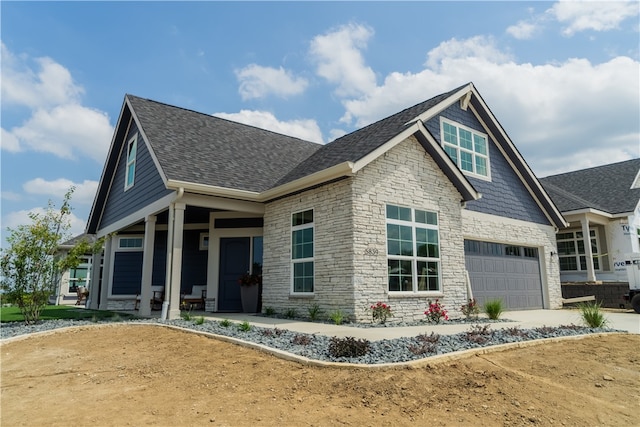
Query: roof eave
(517, 162)
(334, 172)
(213, 190)
(417, 129)
(338, 171)
(598, 212)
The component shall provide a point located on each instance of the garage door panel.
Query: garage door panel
(515, 280)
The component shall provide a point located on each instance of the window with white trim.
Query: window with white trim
(413, 250)
(302, 260)
(130, 243)
(130, 174)
(468, 148)
(571, 250)
(79, 275)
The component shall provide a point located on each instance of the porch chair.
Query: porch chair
(195, 298)
(82, 294)
(157, 297)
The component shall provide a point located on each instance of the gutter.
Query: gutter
(320, 177)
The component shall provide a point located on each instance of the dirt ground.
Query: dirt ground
(132, 375)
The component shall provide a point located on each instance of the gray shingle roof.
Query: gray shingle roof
(356, 145)
(203, 149)
(606, 188)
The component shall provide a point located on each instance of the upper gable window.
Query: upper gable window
(130, 176)
(468, 148)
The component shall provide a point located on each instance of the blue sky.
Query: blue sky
(561, 77)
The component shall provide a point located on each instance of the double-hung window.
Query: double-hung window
(413, 250)
(571, 250)
(467, 148)
(130, 175)
(302, 235)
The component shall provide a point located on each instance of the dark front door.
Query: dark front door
(234, 262)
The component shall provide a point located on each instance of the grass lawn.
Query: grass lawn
(51, 312)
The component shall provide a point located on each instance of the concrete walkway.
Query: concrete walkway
(618, 319)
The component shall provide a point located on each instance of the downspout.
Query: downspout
(168, 284)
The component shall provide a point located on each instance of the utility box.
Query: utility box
(632, 263)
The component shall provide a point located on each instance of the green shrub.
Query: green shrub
(348, 347)
(592, 316)
(244, 326)
(337, 317)
(291, 313)
(185, 315)
(314, 311)
(269, 311)
(225, 323)
(493, 308)
(199, 320)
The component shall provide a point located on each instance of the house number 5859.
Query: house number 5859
(371, 251)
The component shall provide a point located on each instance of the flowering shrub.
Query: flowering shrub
(380, 312)
(250, 279)
(471, 309)
(436, 312)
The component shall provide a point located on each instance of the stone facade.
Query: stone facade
(333, 250)
(351, 247)
(492, 228)
(350, 238)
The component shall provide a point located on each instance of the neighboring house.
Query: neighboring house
(70, 280)
(603, 203)
(392, 212)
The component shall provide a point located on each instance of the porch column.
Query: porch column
(586, 238)
(106, 273)
(94, 284)
(147, 265)
(176, 261)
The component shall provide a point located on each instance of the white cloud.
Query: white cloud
(555, 113)
(523, 30)
(67, 130)
(16, 218)
(339, 59)
(58, 123)
(303, 129)
(592, 15)
(84, 192)
(474, 47)
(21, 85)
(9, 142)
(11, 196)
(257, 82)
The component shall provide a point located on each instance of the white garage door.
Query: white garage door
(511, 273)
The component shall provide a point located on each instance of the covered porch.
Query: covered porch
(592, 248)
(170, 256)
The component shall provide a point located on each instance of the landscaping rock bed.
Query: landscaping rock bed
(480, 334)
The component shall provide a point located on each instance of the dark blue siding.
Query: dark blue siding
(194, 261)
(159, 275)
(505, 195)
(127, 273)
(147, 188)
